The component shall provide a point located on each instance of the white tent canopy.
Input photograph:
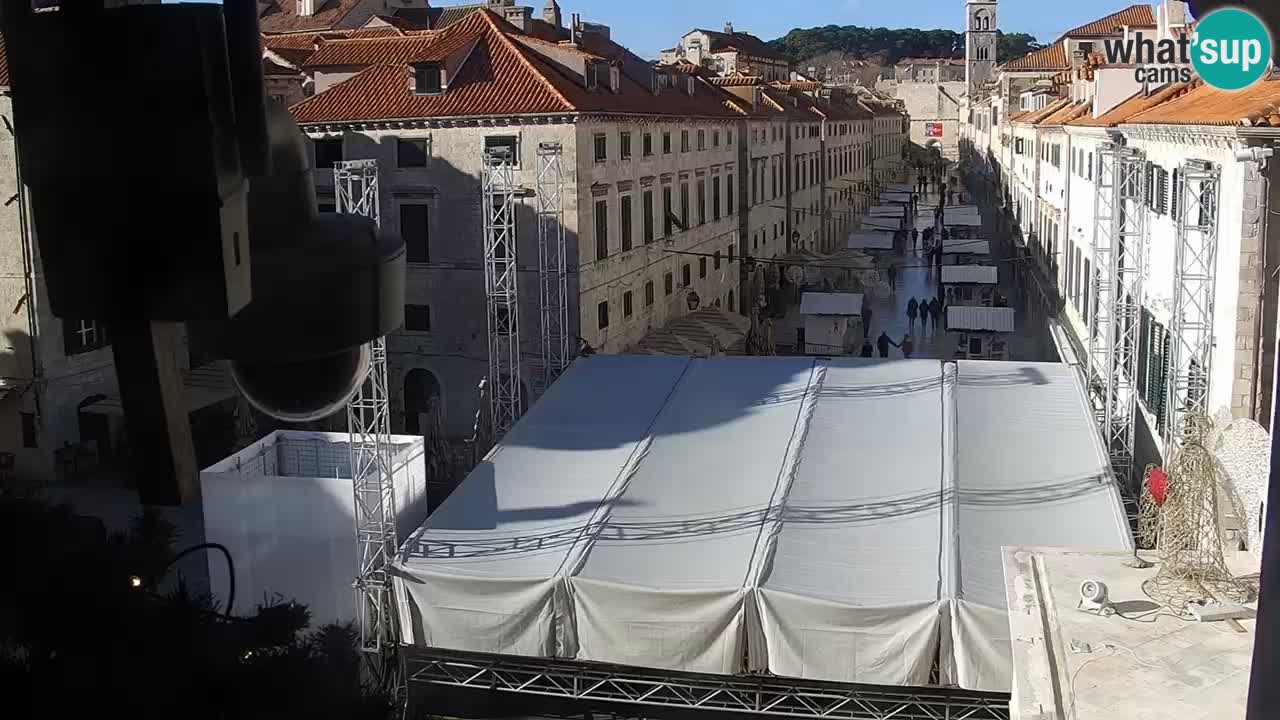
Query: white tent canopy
(830, 519)
(870, 241)
(992, 319)
(964, 246)
(820, 303)
(970, 275)
(893, 211)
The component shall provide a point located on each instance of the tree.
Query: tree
(891, 45)
(82, 631)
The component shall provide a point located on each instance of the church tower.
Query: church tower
(980, 43)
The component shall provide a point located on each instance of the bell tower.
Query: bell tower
(979, 43)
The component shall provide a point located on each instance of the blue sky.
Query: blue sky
(647, 26)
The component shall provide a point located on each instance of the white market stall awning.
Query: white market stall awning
(870, 241)
(828, 519)
(819, 303)
(962, 246)
(881, 225)
(990, 319)
(893, 211)
(970, 275)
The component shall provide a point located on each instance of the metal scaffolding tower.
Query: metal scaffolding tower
(369, 429)
(501, 284)
(553, 279)
(1119, 247)
(1191, 328)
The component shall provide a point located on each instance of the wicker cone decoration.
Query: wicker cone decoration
(1190, 540)
(1148, 514)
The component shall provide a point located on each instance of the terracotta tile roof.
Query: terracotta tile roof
(1016, 117)
(295, 48)
(1257, 105)
(443, 17)
(272, 68)
(499, 77)
(1132, 16)
(742, 42)
(1035, 116)
(1067, 113)
(282, 15)
(407, 24)
(4, 66)
(1053, 57)
(374, 32)
(736, 81)
(803, 85)
(1134, 105)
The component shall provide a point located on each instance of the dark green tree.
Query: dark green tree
(889, 45)
(82, 630)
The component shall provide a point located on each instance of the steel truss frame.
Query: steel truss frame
(356, 192)
(643, 691)
(1119, 255)
(553, 277)
(501, 284)
(1195, 280)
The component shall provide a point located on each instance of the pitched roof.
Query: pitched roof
(1035, 116)
(270, 67)
(1257, 105)
(1053, 57)
(1134, 105)
(504, 74)
(1132, 16)
(282, 15)
(443, 17)
(1068, 112)
(742, 42)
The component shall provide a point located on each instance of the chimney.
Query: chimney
(551, 13)
(757, 97)
(520, 17)
(728, 28)
(615, 77)
(690, 84)
(575, 21)
(306, 8)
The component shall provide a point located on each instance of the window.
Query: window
(1153, 366)
(328, 153)
(412, 153)
(601, 147)
(729, 251)
(646, 207)
(1089, 166)
(82, 336)
(702, 202)
(684, 204)
(729, 304)
(625, 223)
(728, 138)
(666, 143)
(602, 229)
(686, 275)
(426, 79)
(626, 304)
(646, 144)
(602, 315)
(715, 198)
(666, 284)
(716, 261)
(416, 230)
(684, 141)
(29, 430)
(702, 140)
(503, 144)
(666, 211)
(417, 318)
(624, 145)
(702, 267)
(728, 188)
(1175, 199)
(715, 138)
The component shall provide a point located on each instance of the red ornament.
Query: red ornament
(1158, 484)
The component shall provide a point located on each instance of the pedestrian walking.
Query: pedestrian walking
(935, 311)
(924, 315)
(867, 351)
(882, 344)
(893, 279)
(915, 238)
(907, 345)
(912, 308)
(866, 318)
(951, 197)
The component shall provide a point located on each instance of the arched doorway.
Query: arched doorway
(422, 397)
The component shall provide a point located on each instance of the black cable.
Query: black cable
(231, 569)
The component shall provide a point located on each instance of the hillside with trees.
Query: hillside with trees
(886, 46)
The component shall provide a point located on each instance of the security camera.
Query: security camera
(1254, 154)
(1094, 596)
(324, 285)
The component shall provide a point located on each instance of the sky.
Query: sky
(648, 26)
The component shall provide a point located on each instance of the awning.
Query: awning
(970, 274)
(870, 241)
(991, 319)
